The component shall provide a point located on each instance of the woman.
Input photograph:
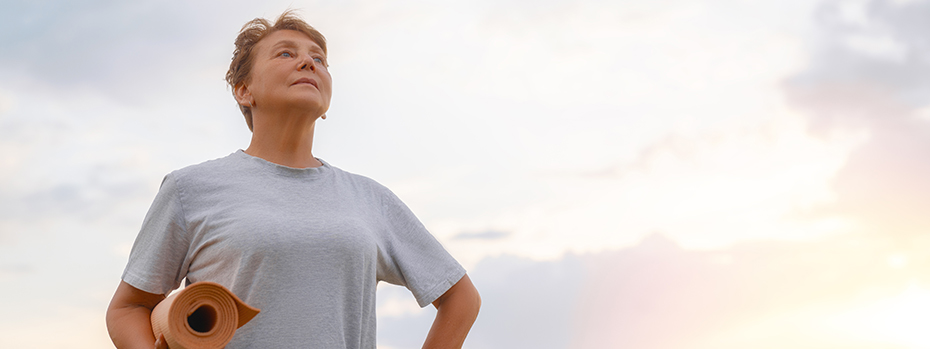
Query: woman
(289, 234)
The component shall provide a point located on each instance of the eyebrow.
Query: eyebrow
(292, 43)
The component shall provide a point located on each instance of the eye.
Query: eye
(285, 54)
(318, 60)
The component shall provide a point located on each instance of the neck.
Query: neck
(283, 139)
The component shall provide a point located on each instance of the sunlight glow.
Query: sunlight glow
(902, 320)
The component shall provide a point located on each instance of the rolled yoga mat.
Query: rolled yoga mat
(204, 315)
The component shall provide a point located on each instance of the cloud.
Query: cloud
(851, 86)
(525, 304)
(67, 159)
(485, 235)
(702, 189)
(11, 271)
(74, 327)
(135, 52)
(643, 294)
(877, 43)
(565, 89)
(678, 101)
(810, 294)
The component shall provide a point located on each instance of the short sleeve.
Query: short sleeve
(156, 262)
(412, 257)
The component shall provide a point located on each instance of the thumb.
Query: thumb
(160, 343)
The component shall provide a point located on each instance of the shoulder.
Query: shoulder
(362, 184)
(209, 166)
(354, 178)
(204, 172)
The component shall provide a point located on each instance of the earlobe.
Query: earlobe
(243, 95)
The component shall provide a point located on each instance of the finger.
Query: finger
(160, 343)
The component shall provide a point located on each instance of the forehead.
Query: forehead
(287, 37)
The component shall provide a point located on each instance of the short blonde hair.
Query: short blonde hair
(251, 33)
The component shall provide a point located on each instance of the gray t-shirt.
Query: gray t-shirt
(306, 246)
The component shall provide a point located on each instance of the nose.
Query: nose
(307, 63)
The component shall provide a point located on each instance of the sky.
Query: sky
(613, 174)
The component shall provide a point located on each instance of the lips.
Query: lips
(306, 81)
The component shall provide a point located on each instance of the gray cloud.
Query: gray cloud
(887, 48)
(880, 88)
(525, 304)
(125, 49)
(658, 295)
(92, 200)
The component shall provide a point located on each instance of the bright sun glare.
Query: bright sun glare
(902, 320)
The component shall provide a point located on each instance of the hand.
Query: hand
(160, 343)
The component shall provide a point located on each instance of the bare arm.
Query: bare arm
(456, 311)
(129, 318)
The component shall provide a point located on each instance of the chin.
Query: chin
(308, 104)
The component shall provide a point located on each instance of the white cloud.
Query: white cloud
(526, 103)
(704, 191)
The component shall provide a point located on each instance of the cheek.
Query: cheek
(268, 75)
(329, 83)
(259, 82)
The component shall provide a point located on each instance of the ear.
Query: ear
(243, 95)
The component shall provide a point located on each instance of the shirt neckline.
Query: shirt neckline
(309, 172)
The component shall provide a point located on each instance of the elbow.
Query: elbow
(472, 302)
(463, 298)
(466, 303)
(470, 296)
(112, 315)
(476, 303)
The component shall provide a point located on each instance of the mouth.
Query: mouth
(306, 81)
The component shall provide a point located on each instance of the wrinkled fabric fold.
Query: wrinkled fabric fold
(204, 315)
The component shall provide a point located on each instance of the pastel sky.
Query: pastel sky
(613, 174)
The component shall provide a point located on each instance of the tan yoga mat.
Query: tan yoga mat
(204, 315)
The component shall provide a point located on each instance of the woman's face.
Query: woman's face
(289, 73)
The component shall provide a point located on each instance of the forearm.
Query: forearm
(130, 327)
(129, 317)
(456, 312)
